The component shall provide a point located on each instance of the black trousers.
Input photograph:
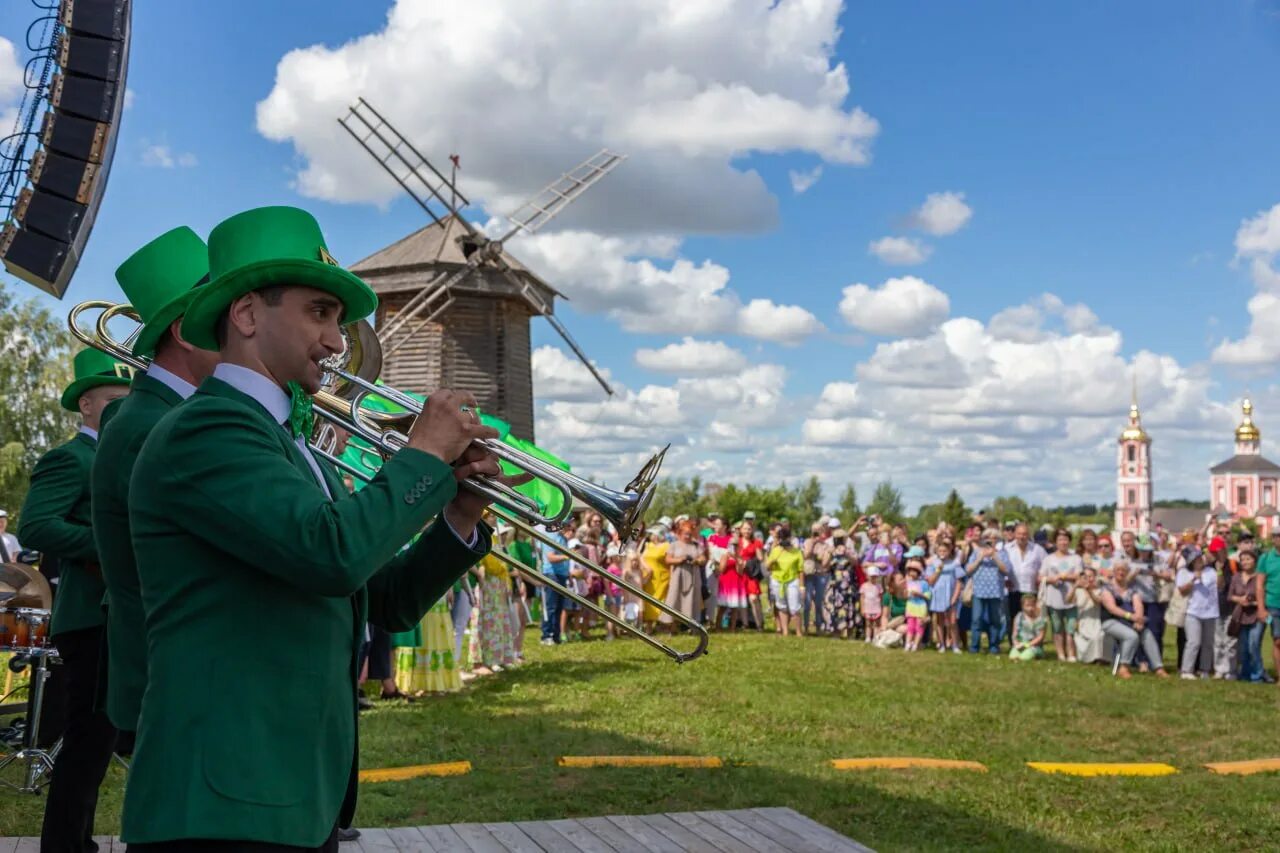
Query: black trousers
(87, 744)
(379, 654)
(201, 846)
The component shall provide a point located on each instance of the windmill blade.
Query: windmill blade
(535, 299)
(405, 164)
(560, 193)
(577, 350)
(435, 297)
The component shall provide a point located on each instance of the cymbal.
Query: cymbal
(23, 586)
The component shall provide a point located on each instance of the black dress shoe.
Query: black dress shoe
(348, 834)
(398, 695)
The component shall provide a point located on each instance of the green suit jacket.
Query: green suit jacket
(256, 586)
(126, 423)
(56, 520)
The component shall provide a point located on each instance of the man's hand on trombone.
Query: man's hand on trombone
(449, 429)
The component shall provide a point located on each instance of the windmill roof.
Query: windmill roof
(1246, 463)
(1177, 519)
(435, 245)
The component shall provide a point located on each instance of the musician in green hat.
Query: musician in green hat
(159, 281)
(56, 521)
(258, 570)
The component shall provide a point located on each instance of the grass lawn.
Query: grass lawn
(777, 710)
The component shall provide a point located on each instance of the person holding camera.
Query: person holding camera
(840, 603)
(784, 565)
(990, 571)
(684, 558)
(1199, 583)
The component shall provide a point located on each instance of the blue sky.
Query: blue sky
(1109, 154)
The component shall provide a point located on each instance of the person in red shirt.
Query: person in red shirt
(749, 552)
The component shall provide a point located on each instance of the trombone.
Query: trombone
(353, 371)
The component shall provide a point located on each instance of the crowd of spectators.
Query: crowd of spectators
(992, 588)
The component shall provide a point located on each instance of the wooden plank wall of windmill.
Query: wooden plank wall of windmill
(480, 344)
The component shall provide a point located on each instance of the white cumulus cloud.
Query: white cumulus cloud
(692, 357)
(558, 376)
(524, 89)
(1258, 244)
(163, 157)
(644, 286)
(942, 214)
(803, 181)
(900, 251)
(906, 306)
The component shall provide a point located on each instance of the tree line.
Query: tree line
(802, 505)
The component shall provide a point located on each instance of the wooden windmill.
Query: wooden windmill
(454, 305)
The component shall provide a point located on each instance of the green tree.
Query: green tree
(848, 510)
(768, 504)
(1010, 508)
(674, 497)
(806, 504)
(955, 513)
(35, 365)
(886, 502)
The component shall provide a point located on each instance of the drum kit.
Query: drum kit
(25, 605)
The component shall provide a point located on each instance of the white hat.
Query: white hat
(833, 523)
(4, 513)
(682, 517)
(665, 521)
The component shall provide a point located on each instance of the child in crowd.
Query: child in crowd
(1028, 631)
(918, 592)
(632, 573)
(613, 592)
(871, 607)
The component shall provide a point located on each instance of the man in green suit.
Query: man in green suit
(56, 521)
(258, 570)
(159, 281)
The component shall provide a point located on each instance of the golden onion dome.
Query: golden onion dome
(1248, 431)
(1134, 431)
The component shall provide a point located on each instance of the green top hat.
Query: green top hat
(264, 247)
(160, 279)
(93, 368)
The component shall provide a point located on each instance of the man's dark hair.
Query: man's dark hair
(272, 294)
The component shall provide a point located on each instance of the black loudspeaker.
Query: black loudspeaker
(68, 172)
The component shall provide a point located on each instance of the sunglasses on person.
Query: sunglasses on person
(1106, 546)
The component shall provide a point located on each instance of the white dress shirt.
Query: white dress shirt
(1025, 565)
(177, 384)
(89, 431)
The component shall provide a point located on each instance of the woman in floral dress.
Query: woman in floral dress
(841, 599)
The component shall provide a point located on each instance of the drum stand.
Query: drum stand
(38, 763)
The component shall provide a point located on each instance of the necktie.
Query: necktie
(301, 418)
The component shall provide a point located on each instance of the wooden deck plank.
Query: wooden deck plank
(105, 843)
(27, 844)
(478, 839)
(377, 841)
(545, 836)
(700, 827)
(514, 839)
(616, 838)
(742, 832)
(442, 838)
(684, 838)
(8, 845)
(777, 834)
(408, 839)
(636, 829)
(586, 840)
(823, 836)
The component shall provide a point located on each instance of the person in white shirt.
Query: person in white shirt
(10, 547)
(1200, 584)
(1024, 558)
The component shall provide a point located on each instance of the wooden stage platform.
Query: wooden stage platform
(764, 830)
